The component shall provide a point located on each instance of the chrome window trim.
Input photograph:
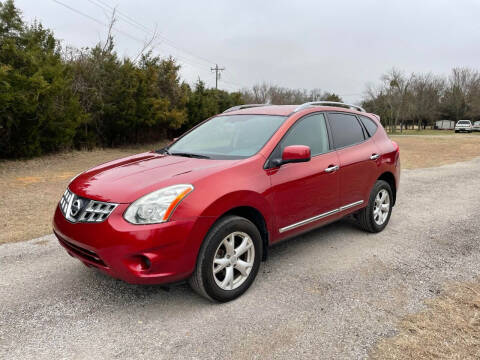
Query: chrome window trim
(320, 216)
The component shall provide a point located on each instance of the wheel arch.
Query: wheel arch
(256, 217)
(390, 179)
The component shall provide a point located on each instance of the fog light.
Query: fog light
(139, 263)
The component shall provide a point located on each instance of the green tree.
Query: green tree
(204, 103)
(39, 113)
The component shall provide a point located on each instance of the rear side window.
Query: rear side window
(346, 130)
(369, 125)
(310, 131)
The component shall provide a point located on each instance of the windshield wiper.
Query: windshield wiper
(191, 155)
(163, 151)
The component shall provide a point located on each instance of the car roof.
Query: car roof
(285, 110)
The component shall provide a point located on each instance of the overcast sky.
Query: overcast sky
(337, 45)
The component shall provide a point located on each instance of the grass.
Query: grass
(448, 329)
(30, 189)
(431, 132)
(428, 151)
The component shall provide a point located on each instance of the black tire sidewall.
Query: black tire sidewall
(211, 243)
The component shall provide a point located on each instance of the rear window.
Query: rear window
(346, 130)
(369, 124)
(463, 122)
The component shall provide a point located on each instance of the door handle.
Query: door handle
(332, 168)
(374, 156)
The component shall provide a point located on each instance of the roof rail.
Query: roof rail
(245, 106)
(329, 103)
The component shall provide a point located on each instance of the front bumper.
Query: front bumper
(138, 254)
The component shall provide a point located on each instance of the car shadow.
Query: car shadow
(115, 291)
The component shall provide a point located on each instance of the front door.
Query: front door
(305, 193)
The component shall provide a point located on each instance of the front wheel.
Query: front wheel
(375, 216)
(228, 260)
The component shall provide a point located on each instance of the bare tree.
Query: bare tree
(390, 98)
(461, 98)
(425, 93)
(273, 94)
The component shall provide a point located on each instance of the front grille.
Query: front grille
(79, 209)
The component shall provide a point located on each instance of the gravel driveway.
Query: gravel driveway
(332, 293)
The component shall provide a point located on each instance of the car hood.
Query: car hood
(127, 179)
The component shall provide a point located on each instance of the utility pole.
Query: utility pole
(217, 74)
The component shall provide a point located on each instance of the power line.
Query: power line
(139, 26)
(96, 20)
(104, 24)
(131, 21)
(142, 27)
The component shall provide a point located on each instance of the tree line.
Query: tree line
(418, 100)
(55, 98)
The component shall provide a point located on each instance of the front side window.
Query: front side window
(310, 131)
(346, 130)
(228, 137)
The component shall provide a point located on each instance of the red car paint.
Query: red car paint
(285, 195)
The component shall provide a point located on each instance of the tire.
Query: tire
(371, 220)
(216, 247)
(456, 131)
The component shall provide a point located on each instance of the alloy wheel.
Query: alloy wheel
(381, 207)
(233, 260)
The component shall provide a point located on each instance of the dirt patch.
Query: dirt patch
(30, 189)
(448, 329)
(428, 151)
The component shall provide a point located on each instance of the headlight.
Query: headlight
(158, 206)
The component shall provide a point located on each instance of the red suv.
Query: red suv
(207, 207)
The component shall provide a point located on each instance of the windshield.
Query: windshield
(228, 137)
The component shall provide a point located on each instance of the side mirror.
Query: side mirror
(294, 154)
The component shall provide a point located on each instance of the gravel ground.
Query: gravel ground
(332, 293)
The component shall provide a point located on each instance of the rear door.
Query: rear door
(304, 193)
(357, 155)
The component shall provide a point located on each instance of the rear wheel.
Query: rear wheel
(375, 216)
(228, 260)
